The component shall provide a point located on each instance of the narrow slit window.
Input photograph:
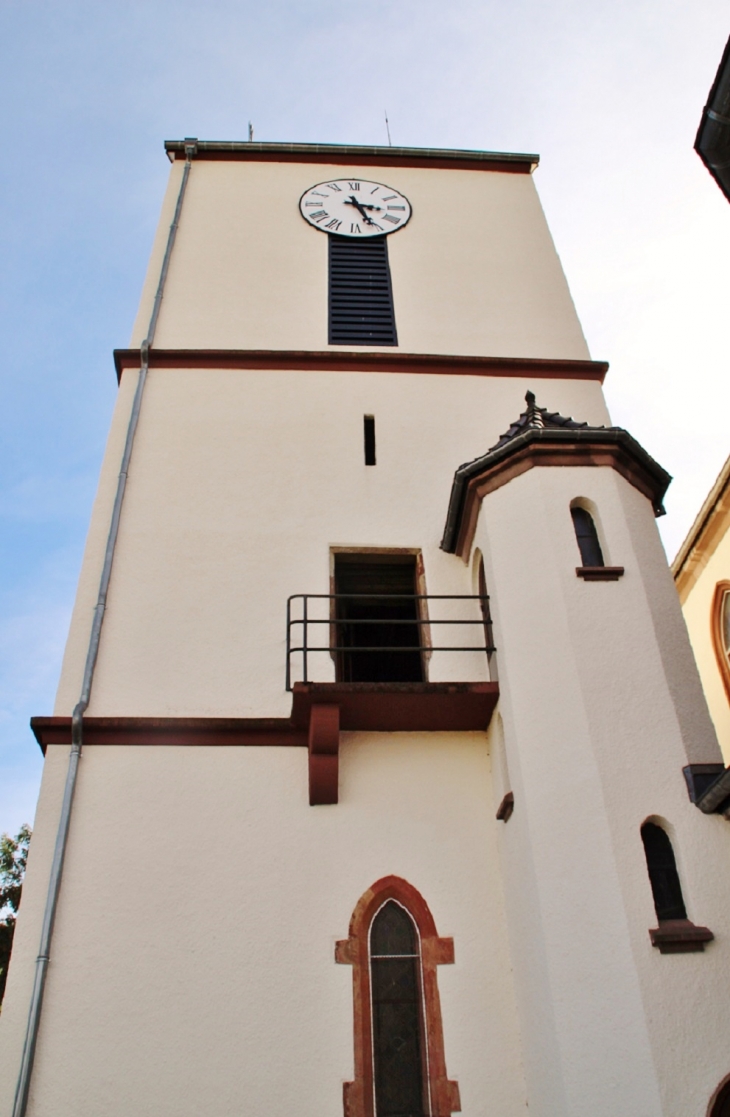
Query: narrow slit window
(360, 292)
(586, 537)
(663, 875)
(369, 437)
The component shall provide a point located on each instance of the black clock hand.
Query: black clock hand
(361, 205)
(353, 202)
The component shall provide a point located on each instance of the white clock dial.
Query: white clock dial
(353, 207)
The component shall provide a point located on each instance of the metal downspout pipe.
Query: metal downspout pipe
(77, 720)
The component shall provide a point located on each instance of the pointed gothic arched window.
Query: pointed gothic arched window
(400, 1068)
(395, 976)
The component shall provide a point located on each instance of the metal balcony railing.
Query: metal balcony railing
(339, 626)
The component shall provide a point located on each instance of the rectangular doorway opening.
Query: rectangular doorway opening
(378, 619)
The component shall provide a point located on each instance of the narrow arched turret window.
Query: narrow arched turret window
(395, 963)
(587, 537)
(720, 1105)
(665, 886)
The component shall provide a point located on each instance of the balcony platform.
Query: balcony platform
(320, 712)
(399, 707)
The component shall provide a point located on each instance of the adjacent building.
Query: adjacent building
(702, 573)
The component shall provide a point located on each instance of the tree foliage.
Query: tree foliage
(13, 859)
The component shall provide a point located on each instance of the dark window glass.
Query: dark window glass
(369, 439)
(378, 634)
(397, 1028)
(663, 874)
(486, 613)
(360, 292)
(721, 1108)
(587, 536)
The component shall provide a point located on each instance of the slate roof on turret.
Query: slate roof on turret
(538, 425)
(534, 418)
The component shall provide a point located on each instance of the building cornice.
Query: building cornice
(56, 730)
(356, 155)
(335, 360)
(708, 528)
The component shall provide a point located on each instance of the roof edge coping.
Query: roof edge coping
(253, 150)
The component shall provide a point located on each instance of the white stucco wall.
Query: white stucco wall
(240, 483)
(595, 745)
(201, 902)
(193, 961)
(475, 270)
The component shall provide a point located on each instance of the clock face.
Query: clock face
(352, 207)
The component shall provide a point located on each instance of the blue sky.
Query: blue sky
(608, 93)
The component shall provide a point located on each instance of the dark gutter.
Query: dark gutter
(709, 787)
(712, 143)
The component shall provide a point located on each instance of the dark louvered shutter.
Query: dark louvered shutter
(361, 297)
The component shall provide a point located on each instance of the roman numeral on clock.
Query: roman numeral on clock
(354, 185)
(333, 224)
(393, 220)
(355, 228)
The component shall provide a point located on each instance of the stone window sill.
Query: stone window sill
(679, 936)
(599, 573)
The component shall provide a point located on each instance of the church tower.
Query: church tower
(373, 780)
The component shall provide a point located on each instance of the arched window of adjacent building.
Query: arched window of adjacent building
(586, 536)
(720, 1102)
(663, 875)
(394, 949)
(721, 631)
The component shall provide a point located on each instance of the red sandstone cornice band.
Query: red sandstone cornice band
(170, 731)
(366, 361)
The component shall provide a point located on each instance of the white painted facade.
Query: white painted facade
(193, 956)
